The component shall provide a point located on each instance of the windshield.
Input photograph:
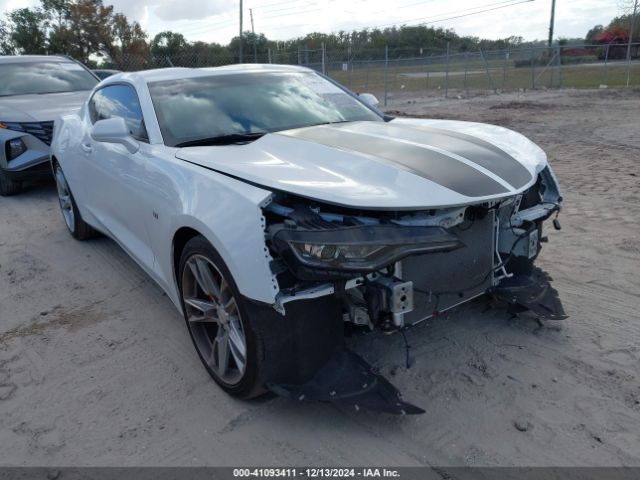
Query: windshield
(206, 107)
(24, 78)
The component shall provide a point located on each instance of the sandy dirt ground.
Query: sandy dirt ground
(97, 368)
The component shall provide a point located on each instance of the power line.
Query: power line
(294, 13)
(205, 28)
(232, 21)
(208, 26)
(435, 19)
(272, 4)
(228, 22)
(290, 7)
(422, 22)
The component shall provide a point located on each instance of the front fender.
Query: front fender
(228, 213)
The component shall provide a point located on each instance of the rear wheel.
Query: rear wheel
(218, 321)
(7, 186)
(78, 228)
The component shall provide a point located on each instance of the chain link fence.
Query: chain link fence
(391, 74)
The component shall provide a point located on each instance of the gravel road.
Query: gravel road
(97, 368)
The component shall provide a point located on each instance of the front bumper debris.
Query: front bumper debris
(533, 293)
(349, 380)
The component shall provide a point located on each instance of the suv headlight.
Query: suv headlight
(14, 148)
(347, 251)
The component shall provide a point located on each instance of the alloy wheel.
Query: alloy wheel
(66, 202)
(214, 319)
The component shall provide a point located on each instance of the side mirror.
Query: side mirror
(114, 130)
(370, 99)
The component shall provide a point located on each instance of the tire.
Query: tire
(8, 187)
(216, 313)
(79, 229)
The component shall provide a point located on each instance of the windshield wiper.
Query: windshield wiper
(330, 123)
(223, 139)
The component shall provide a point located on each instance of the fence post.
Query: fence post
(386, 68)
(269, 55)
(324, 68)
(350, 68)
(554, 62)
(446, 75)
(366, 81)
(486, 68)
(504, 72)
(466, 69)
(632, 23)
(560, 67)
(533, 71)
(424, 71)
(606, 66)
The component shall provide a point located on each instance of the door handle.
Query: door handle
(86, 147)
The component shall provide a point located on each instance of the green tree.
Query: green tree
(126, 43)
(60, 36)
(28, 32)
(6, 45)
(169, 44)
(592, 35)
(248, 39)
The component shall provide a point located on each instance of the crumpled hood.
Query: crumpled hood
(40, 108)
(402, 164)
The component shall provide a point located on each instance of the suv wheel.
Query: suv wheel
(7, 186)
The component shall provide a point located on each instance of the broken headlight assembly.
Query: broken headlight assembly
(343, 252)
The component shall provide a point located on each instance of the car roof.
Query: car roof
(175, 73)
(33, 58)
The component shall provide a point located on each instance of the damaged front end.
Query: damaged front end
(389, 270)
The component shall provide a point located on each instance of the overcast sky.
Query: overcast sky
(217, 20)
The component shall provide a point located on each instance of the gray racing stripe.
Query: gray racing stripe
(478, 151)
(435, 166)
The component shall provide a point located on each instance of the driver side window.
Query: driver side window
(119, 101)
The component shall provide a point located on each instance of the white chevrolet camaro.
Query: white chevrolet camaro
(276, 208)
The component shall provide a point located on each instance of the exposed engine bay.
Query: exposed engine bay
(389, 270)
(398, 268)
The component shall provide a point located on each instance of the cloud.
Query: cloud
(216, 20)
(133, 9)
(8, 5)
(170, 10)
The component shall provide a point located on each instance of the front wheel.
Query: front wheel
(78, 228)
(218, 321)
(7, 186)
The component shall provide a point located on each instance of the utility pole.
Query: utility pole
(255, 48)
(240, 48)
(632, 23)
(553, 17)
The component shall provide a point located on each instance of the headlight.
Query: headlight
(14, 148)
(336, 254)
(347, 251)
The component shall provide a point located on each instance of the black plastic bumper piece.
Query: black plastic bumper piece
(41, 170)
(348, 379)
(532, 292)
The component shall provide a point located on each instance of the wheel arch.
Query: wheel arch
(179, 241)
(53, 161)
(243, 252)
